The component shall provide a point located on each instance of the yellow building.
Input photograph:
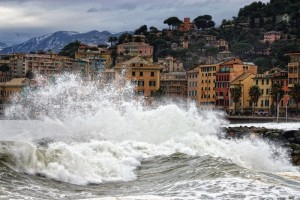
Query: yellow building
(99, 57)
(144, 74)
(7, 89)
(244, 81)
(206, 82)
(264, 82)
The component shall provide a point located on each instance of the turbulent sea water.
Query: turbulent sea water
(70, 139)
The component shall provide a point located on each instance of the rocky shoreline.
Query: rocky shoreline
(289, 139)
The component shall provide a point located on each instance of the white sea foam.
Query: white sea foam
(98, 134)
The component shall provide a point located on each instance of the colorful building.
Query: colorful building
(294, 69)
(272, 36)
(174, 84)
(207, 84)
(243, 81)
(228, 71)
(193, 84)
(135, 49)
(187, 25)
(143, 74)
(171, 64)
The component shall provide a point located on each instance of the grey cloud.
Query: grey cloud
(91, 10)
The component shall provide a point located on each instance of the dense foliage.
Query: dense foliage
(70, 49)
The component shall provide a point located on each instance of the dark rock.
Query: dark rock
(291, 134)
(295, 147)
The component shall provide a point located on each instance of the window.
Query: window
(151, 83)
(262, 91)
(256, 82)
(152, 74)
(133, 73)
(141, 74)
(140, 83)
(141, 92)
(262, 82)
(266, 102)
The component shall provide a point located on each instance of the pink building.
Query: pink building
(135, 49)
(272, 36)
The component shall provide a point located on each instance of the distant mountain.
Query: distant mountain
(3, 45)
(56, 41)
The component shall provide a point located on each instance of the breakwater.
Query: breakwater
(285, 138)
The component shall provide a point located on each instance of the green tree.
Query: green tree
(153, 29)
(112, 40)
(241, 48)
(70, 49)
(143, 30)
(236, 93)
(204, 22)
(173, 22)
(276, 92)
(295, 93)
(255, 94)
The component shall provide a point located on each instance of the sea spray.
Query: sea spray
(102, 134)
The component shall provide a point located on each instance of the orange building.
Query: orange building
(187, 25)
(228, 71)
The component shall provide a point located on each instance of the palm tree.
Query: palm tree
(255, 94)
(236, 94)
(295, 93)
(276, 92)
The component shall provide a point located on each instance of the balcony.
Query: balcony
(293, 64)
(220, 97)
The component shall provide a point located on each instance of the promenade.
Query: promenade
(260, 119)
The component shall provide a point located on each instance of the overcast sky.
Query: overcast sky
(21, 20)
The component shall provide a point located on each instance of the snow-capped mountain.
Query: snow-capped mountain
(56, 41)
(3, 45)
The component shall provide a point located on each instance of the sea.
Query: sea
(68, 138)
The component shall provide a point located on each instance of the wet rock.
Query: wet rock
(291, 134)
(288, 139)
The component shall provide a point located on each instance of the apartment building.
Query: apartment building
(264, 82)
(293, 69)
(281, 78)
(171, 64)
(193, 84)
(174, 84)
(227, 72)
(272, 36)
(45, 64)
(143, 74)
(243, 81)
(16, 85)
(206, 81)
(100, 58)
(135, 49)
